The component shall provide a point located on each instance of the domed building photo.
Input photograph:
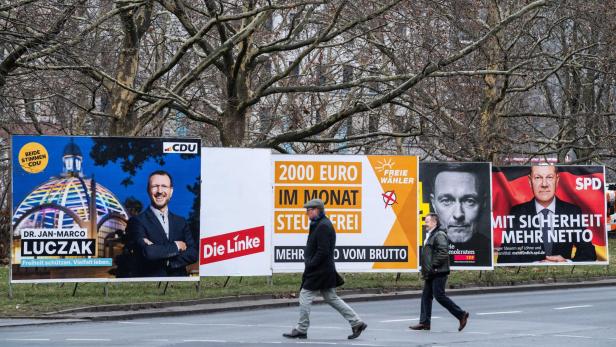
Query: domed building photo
(67, 201)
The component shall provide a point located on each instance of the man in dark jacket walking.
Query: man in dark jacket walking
(434, 271)
(320, 274)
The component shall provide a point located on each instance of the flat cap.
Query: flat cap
(315, 203)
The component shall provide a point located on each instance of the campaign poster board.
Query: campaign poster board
(549, 215)
(460, 194)
(82, 209)
(371, 201)
(236, 213)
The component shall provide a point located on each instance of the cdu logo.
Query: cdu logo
(180, 147)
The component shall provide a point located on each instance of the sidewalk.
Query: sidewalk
(165, 309)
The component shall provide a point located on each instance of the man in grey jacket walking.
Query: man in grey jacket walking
(434, 271)
(320, 275)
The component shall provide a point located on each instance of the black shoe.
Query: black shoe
(463, 321)
(357, 330)
(420, 326)
(295, 334)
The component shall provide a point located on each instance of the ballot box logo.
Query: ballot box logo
(389, 198)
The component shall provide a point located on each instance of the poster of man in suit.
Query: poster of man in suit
(459, 193)
(549, 215)
(162, 240)
(91, 209)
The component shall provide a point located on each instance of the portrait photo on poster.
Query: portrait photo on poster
(549, 215)
(459, 194)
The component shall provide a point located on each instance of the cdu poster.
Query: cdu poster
(105, 209)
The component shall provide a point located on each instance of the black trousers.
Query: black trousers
(434, 288)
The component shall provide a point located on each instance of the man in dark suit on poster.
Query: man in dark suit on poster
(545, 207)
(162, 240)
(458, 194)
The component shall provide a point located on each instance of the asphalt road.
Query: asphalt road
(574, 317)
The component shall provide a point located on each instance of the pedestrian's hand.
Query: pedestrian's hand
(181, 245)
(148, 242)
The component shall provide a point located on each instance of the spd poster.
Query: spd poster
(549, 215)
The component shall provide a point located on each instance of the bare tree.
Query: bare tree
(449, 80)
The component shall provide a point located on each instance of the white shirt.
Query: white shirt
(428, 236)
(551, 207)
(163, 219)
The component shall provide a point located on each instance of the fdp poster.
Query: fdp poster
(549, 215)
(236, 214)
(460, 195)
(93, 209)
(371, 201)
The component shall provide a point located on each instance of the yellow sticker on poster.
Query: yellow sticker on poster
(33, 157)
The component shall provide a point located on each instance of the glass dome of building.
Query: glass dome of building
(63, 202)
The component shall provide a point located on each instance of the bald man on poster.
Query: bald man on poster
(543, 181)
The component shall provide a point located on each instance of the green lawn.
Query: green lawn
(33, 299)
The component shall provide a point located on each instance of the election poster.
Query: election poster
(99, 209)
(549, 215)
(370, 200)
(236, 212)
(460, 195)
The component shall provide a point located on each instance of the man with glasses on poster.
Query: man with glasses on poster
(161, 239)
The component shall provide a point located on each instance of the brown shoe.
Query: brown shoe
(463, 321)
(420, 326)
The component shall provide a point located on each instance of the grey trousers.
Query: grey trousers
(306, 297)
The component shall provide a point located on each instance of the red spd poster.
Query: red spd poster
(549, 215)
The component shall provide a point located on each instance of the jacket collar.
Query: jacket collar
(154, 220)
